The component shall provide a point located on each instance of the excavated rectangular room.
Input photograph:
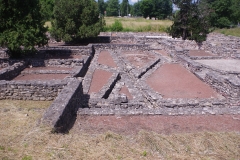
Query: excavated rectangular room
(228, 65)
(174, 81)
(138, 58)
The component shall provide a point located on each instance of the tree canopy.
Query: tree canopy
(76, 19)
(21, 26)
(125, 8)
(113, 8)
(47, 9)
(136, 9)
(190, 22)
(224, 12)
(156, 8)
(101, 6)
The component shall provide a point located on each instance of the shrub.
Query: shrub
(117, 26)
(76, 19)
(21, 26)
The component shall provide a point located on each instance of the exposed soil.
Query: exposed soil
(162, 52)
(114, 35)
(40, 76)
(156, 123)
(105, 58)
(125, 91)
(48, 68)
(199, 53)
(99, 79)
(138, 58)
(174, 81)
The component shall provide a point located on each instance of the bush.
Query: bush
(76, 19)
(21, 26)
(223, 22)
(117, 26)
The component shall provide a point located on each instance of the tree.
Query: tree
(21, 26)
(156, 8)
(137, 9)
(125, 8)
(225, 13)
(47, 9)
(76, 19)
(236, 11)
(189, 22)
(165, 9)
(147, 8)
(101, 6)
(113, 8)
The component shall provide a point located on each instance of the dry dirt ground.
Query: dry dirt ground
(22, 136)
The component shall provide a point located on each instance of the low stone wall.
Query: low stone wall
(112, 109)
(4, 63)
(12, 71)
(75, 72)
(62, 113)
(59, 62)
(196, 67)
(48, 52)
(8, 62)
(226, 83)
(121, 46)
(31, 90)
(229, 86)
(3, 53)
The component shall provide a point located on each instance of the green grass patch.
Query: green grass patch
(116, 24)
(231, 31)
(138, 24)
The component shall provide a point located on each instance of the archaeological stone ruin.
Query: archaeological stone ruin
(128, 74)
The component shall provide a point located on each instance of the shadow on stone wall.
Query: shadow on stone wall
(62, 114)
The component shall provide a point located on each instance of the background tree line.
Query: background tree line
(146, 8)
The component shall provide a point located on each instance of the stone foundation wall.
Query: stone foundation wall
(62, 113)
(3, 53)
(31, 90)
(12, 71)
(229, 86)
(48, 52)
(175, 111)
(59, 62)
(75, 72)
(121, 46)
(226, 83)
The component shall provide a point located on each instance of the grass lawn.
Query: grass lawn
(140, 24)
(231, 31)
(144, 25)
(23, 137)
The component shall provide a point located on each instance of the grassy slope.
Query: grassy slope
(22, 137)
